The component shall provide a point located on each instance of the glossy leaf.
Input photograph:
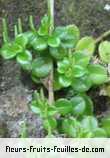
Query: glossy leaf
(63, 66)
(35, 79)
(58, 53)
(41, 66)
(81, 58)
(56, 84)
(78, 105)
(89, 105)
(86, 44)
(65, 81)
(106, 125)
(50, 123)
(10, 50)
(104, 51)
(99, 133)
(36, 110)
(21, 40)
(82, 84)
(24, 59)
(90, 123)
(39, 43)
(63, 106)
(97, 74)
(30, 36)
(52, 111)
(43, 30)
(79, 71)
(53, 41)
(69, 35)
(71, 127)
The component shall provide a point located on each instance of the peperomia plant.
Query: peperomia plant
(59, 59)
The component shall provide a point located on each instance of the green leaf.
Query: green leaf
(21, 40)
(41, 66)
(52, 111)
(73, 32)
(50, 123)
(106, 125)
(35, 79)
(90, 123)
(82, 84)
(53, 41)
(86, 44)
(97, 74)
(79, 71)
(63, 106)
(39, 43)
(24, 59)
(60, 31)
(10, 50)
(36, 110)
(81, 58)
(89, 105)
(64, 81)
(104, 51)
(71, 127)
(30, 36)
(58, 53)
(56, 84)
(43, 30)
(99, 133)
(78, 104)
(83, 133)
(63, 66)
(69, 35)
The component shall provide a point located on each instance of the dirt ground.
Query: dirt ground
(91, 16)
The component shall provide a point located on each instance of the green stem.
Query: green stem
(51, 28)
(31, 23)
(51, 15)
(5, 30)
(104, 35)
(20, 29)
(15, 30)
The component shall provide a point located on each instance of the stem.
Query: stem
(5, 30)
(104, 35)
(31, 23)
(51, 15)
(20, 29)
(51, 28)
(15, 30)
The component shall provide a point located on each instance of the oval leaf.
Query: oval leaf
(82, 84)
(104, 51)
(63, 106)
(78, 105)
(86, 44)
(10, 50)
(53, 41)
(24, 59)
(50, 123)
(21, 40)
(97, 74)
(90, 123)
(41, 66)
(39, 43)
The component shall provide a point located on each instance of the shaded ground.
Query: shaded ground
(89, 15)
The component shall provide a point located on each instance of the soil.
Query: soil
(15, 90)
